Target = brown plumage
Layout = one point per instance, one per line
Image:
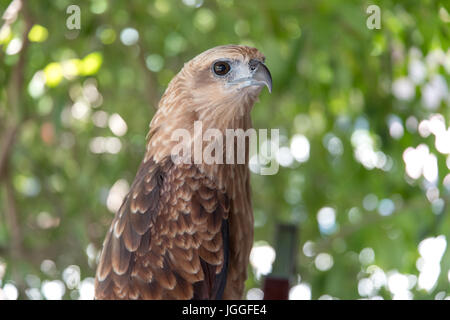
(184, 231)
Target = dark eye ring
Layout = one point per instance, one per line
(221, 68)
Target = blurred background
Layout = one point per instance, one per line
(363, 114)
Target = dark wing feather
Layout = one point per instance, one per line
(169, 239)
(213, 286)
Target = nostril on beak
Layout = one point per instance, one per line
(253, 64)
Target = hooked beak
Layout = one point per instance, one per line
(254, 74)
(262, 76)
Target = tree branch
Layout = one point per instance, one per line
(9, 136)
(15, 117)
(12, 220)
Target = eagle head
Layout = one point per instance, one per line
(217, 87)
(230, 76)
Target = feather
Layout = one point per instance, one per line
(131, 238)
(120, 256)
(105, 266)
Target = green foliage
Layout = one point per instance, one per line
(78, 104)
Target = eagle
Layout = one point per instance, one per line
(185, 229)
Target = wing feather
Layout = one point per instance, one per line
(169, 239)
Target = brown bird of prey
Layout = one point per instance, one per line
(185, 229)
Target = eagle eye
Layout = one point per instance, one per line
(221, 68)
